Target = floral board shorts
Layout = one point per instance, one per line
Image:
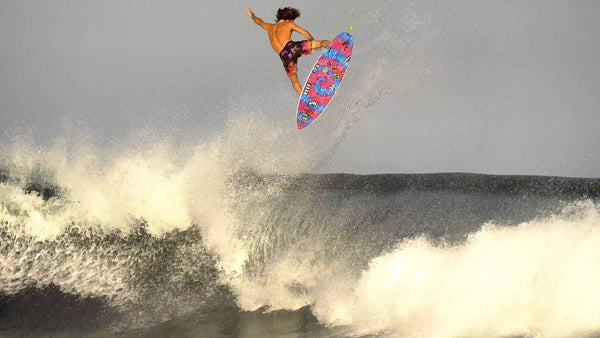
(291, 52)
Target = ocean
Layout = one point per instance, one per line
(150, 189)
(298, 255)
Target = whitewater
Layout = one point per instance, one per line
(144, 242)
(237, 235)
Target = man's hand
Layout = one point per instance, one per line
(250, 12)
(256, 19)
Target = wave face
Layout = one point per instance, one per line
(430, 255)
(85, 248)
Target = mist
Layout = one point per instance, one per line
(498, 87)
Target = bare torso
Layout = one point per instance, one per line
(280, 33)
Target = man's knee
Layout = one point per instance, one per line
(293, 75)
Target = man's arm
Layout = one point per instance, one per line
(303, 32)
(256, 19)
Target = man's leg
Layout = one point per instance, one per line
(294, 78)
(316, 44)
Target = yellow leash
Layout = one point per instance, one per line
(367, 10)
(363, 13)
(345, 17)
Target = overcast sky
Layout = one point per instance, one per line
(499, 87)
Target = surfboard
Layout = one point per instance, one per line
(324, 79)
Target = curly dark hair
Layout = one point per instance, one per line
(287, 13)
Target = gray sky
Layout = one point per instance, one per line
(501, 87)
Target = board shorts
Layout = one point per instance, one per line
(291, 52)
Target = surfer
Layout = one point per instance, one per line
(280, 36)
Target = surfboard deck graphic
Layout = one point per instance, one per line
(324, 79)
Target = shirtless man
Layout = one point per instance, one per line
(280, 36)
